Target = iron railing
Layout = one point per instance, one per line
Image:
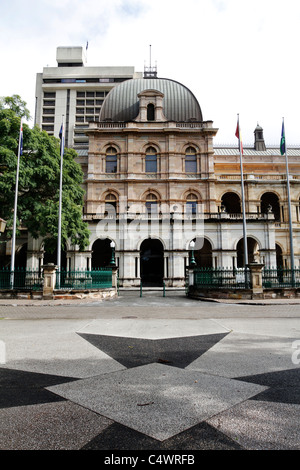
(280, 278)
(82, 279)
(28, 280)
(220, 278)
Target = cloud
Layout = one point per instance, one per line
(236, 57)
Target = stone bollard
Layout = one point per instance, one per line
(115, 278)
(49, 280)
(256, 279)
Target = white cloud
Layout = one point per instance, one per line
(236, 56)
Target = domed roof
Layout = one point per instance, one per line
(122, 102)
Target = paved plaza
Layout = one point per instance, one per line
(149, 373)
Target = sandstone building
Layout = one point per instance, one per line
(155, 184)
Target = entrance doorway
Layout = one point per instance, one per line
(101, 253)
(203, 257)
(152, 263)
(252, 246)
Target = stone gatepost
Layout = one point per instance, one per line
(256, 279)
(49, 280)
(114, 278)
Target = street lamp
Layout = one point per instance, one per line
(112, 261)
(193, 261)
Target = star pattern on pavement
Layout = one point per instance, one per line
(134, 352)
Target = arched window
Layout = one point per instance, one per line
(191, 204)
(151, 160)
(190, 160)
(110, 204)
(150, 112)
(269, 202)
(151, 203)
(231, 203)
(111, 160)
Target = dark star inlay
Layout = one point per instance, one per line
(133, 352)
(21, 388)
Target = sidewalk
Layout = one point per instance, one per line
(88, 300)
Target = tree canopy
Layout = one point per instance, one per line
(38, 194)
(16, 104)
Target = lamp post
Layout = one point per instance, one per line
(193, 261)
(112, 260)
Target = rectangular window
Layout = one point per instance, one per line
(48, 94)
(151, 164)
(151, 207)
(190, 164)
(49, 103)
(48, 111)
(48, 119)
(111, 164)
(191, 207)
(48, 128)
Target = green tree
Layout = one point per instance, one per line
(16, 104)
(38, 195)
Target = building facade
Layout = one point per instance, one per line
(158, 189)
(156, 183)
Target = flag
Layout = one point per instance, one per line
(282, 140)
(238, 135)
(21, 138)
(61, 136)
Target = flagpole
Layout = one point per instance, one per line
(13, 245)
(60, 200)
(243, 198)
(283, 142)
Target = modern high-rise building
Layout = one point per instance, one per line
(74, 92)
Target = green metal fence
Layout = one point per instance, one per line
(220, 278)
(280, 278)
(21, 279)
(81, 279)
(30, 280)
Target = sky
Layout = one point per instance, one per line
(238, 57)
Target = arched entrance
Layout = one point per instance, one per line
(21, 257)
(101, 253)
(279, 257)
(152, 262)
(252, 246)
(203, 257)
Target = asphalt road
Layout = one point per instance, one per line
(153, 374)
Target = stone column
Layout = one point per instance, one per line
(49, 280)
(114, 270)
(256, 279)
